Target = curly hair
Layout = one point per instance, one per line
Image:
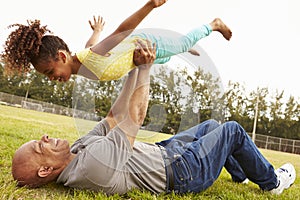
(28, 45)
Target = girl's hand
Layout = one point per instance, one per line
(157, 3)
(98, 23)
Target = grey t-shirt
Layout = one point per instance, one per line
(106, 162)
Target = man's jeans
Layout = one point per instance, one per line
(198, 155)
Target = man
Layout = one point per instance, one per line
(108, 159)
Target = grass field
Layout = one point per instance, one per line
(18, 126)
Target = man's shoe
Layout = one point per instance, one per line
(246, 181)
(286, 176)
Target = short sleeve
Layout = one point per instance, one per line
(101, 129)
(81, 55)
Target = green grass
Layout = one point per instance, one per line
(18, 126)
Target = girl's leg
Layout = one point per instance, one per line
(172, 43)
(175, 43)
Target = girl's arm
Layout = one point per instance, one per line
(126, 27)
(97, 28)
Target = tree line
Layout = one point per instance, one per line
(178, 99)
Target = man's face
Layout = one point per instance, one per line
(38, 159)
(47, 151)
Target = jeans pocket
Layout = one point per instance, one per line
(183, 170)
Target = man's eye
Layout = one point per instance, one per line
(48, 72)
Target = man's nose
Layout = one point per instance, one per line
(45, 138)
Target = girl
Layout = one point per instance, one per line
(109, 59)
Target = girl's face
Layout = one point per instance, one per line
(58, 70)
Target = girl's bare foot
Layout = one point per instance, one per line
(218, 25)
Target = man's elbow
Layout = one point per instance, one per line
(138, 116)
(140, 119)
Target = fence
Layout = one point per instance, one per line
(277, 144)
(17, 101)
(261, 141)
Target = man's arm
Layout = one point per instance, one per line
(97, 28)
(138, 105)
(129, 110)
(126, 27)
(119, 109)
(138, 102)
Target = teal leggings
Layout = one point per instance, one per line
(174, 43)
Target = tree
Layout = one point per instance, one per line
(165, 96)
(105, 94)
(12, 83)
(205, 95)
(291, 117)
(291, 111)
(187, 97)
(276, 115)
(258, 97)
(236, 103)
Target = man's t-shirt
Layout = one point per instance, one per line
(106, 162)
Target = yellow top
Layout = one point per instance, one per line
(112, 67)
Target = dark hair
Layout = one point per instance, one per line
(28, 45)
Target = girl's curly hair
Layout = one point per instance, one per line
(28, 45)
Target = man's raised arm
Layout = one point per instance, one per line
(130, 109)
(119, 109)
(138, 102)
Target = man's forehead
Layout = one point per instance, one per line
(26, 146)
(25, 152)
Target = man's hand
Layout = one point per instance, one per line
(144, 54)
(98, 24)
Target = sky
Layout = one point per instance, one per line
(263, 51)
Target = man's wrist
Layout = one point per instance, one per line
(145, 67)
(143, 76)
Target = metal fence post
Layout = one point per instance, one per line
(279, 145)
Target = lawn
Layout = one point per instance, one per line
(19, 125)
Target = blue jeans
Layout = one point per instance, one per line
(198, 155)
(173, 43)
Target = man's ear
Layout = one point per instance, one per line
(62, 55)
(45, 171)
